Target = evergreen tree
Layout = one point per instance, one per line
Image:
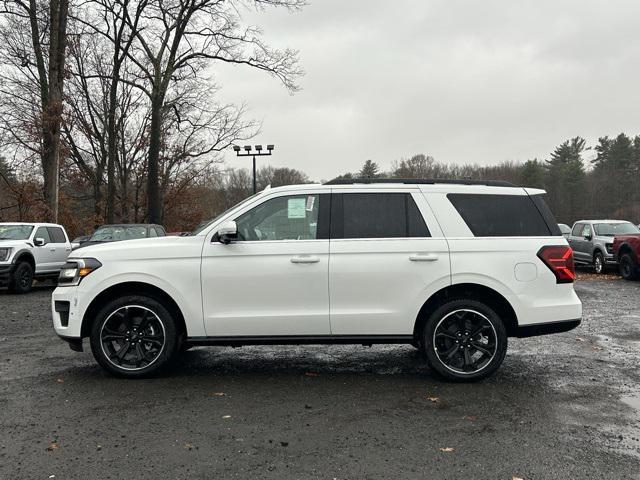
(370, 169)
(532, 174)
(565, 181)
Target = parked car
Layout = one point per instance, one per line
(453, 269)
(565, 229)
(31, 251)
(127, 231)
(592, 241)
(626, 248)
(75, 243)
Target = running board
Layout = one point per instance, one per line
(238, 341)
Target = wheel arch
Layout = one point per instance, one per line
(626, 248)
(471, 291)
(25, 255)
(596, 251)
(132, 288)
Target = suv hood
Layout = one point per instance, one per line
(158, 248)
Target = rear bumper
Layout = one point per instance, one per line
(546, 328)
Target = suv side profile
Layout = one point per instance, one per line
(451, 268)
(592, 241)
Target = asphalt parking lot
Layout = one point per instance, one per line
(562, 406)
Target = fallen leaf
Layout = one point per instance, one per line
(447, 449)
(60, 380)
(226, 416)
(311, 374)
(53, 446)
(517, 478)
(580, 339)
(473, 418)
(218, 394)
(595, 347)
(433, 399)
(188, 446)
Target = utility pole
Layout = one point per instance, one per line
(258, 153)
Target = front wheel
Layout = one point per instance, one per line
(133, 336)
(22, 278)
(598, 263)
(628, 268)
(464, 340)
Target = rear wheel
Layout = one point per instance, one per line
(628, 267)
(133, 336)
(464, 340)
(22, 278)
(598, 263)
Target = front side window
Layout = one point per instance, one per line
(376, 215)
(43, 233)
(586, 232)
(293, 217)
(577, 230)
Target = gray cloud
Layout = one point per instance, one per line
(464, 81)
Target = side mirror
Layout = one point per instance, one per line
(39, 242)
(227, 232)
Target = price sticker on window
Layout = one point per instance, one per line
(311, 200)
(296, 208)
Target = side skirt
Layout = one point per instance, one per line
(238, 341)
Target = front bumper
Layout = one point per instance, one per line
(5, 274)
(66, 313)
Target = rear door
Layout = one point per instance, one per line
(59, 246)
(387, 256)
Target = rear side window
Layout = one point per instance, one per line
(501, 215)
(57, 235)
(376, 215)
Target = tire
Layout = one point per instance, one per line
(146, 351)
(598, 263)
(22, 278)
(445, 340)
(628, 268)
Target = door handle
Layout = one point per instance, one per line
(426, 257)
(52, 249)
(305, 259)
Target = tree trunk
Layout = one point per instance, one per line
(154, 200)
(112, 138)
(52, 111)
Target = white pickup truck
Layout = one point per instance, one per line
(31, 251)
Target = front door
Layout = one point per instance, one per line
(272, 281)
(388, 256)
(45, 255)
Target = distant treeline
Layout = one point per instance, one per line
(608, 186)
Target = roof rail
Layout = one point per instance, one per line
(418, 181)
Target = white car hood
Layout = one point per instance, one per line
(14, 244)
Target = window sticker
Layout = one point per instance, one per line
(296, 208)
(311, 199)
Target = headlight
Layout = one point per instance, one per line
(4, 254)
(75, 270)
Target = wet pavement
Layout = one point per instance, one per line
(562, 406)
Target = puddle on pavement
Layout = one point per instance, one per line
(632, 400)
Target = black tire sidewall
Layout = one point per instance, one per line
(20, 269)
(169, 330)
(442, 311)
(627, 260)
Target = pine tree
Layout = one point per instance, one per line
(370, 169)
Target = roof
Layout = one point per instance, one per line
(417, 181)
(32, 224)
(602, 221)
(130, 225)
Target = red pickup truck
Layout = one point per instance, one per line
(626, 249)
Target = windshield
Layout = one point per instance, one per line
(206, 223)
(15, 232)
(613, 229)
(117, 233)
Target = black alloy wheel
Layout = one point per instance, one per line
(465, 340)
(22, 278)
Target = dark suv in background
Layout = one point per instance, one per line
(127, 231)
(592, 241)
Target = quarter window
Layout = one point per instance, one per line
(293, 217)
(376, 215)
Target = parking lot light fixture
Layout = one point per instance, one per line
(257, 153)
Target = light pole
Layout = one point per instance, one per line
(258, 153)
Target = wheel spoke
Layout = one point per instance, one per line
(446, 335)
(449, 353)
(110, 337)
(481, 348)
(123, 351)
(154, 339)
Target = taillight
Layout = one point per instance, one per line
(559, 259)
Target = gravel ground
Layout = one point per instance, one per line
(562, 406)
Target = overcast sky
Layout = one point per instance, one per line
(464, 81)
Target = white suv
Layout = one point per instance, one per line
(31, 250)
(451, 268)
